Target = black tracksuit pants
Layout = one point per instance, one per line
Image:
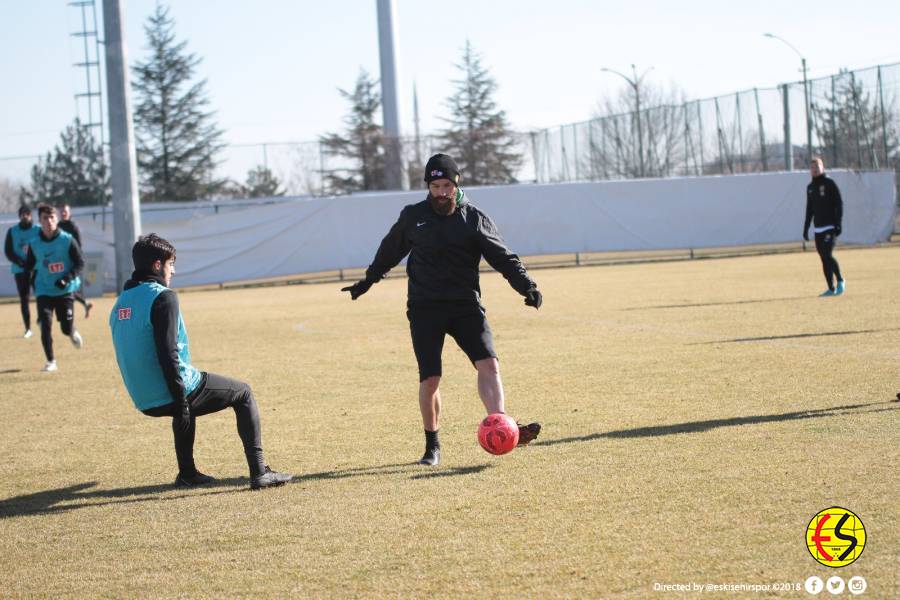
(23, 286)
(62, 307)
(825, 247)
(216, 393)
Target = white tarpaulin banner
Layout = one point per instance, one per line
(297, 236)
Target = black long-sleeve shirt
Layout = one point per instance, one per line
(164, 320)
(72, 229)
(444, 253)
(74, 253)
(824, 206)
(9, 251)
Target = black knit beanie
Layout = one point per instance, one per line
(441, 166)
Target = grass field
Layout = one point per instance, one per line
(696, 416)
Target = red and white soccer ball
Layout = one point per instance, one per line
(498, 433)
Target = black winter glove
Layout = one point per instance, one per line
(806, 235)
(62, 282)
(182, 418)
(358, 289)
(837, 230)
(534, 298)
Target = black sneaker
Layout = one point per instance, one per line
(432, 457)
(193, 479)
(269, 479)
(528, 433)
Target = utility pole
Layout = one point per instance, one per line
(416, 125)
(805, 92)
(123, 163)
(635, 84)
(788, 144)
(395, 176)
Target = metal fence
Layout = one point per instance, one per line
(854, 122)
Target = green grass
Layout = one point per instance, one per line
(696, 416)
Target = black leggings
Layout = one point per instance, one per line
(23, 286)
(825, 248)
(216, 393)
(62, 306)
(79, 296)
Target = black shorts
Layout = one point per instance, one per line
(466, 323)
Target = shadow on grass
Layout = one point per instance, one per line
(57, 500)
(702, 304)
(83, 495)
(793, 336)
(700, 426)
(452, 472)
(394, 469)
(8, 371)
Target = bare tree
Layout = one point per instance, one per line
(857, 130)
(626, 143)
(11, 195)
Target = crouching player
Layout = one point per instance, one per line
(151, 347)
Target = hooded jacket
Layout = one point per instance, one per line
(444, 253)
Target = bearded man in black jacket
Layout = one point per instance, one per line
(446, 237)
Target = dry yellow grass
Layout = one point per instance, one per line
(696, 416)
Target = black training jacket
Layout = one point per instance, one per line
(8, 250)
(823, 203)
(71, 228)
(444, 253)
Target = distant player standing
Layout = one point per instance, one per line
(151, 345)
(18, 238)
(68, 225)
(825, 209)
(56, 259)
(446, 237)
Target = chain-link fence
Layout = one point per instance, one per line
(852, 121)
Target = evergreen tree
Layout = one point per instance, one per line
(74, 172)
(177, 138)
(854, 131)
(478, 136)
(262, 183)
(362, 143)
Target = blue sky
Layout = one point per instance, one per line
(273, 66)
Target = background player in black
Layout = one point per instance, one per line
(446, 237)
(54, 298)
(825, 209)
(68, 225)
(23, 279)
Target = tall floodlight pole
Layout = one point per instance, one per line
(123, 163)
(805, 91)
(635, 83)
(395, 177)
